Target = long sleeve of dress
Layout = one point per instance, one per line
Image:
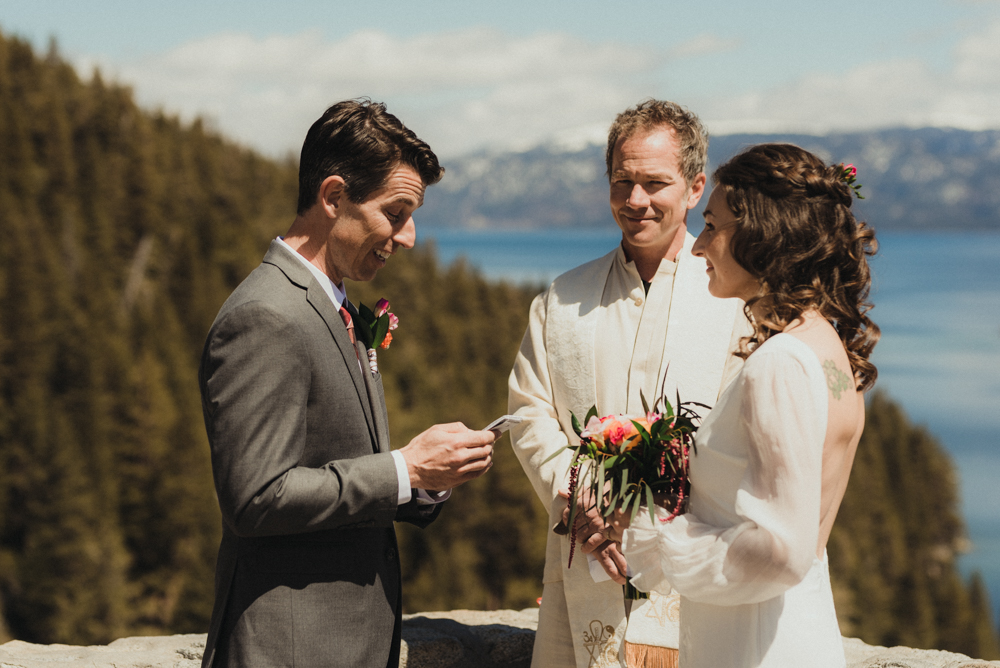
(770, 541)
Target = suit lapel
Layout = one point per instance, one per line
(281, 257)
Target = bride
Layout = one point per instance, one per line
(775, 454)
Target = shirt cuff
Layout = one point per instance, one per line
(403, 478)
(424, 498)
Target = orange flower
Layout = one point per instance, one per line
(386, 341)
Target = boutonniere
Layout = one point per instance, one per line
(374, 329)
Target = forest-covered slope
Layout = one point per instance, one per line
(121, 233)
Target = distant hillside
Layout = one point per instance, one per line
(927, 179)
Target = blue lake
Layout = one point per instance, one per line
(937, 301)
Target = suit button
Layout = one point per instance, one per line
(390, 554)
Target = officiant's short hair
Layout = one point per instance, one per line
(360, 141)
(692, 138)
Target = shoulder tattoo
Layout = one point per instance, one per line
(836, 380)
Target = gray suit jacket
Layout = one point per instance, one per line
(308, 572)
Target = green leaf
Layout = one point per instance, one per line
(645, 406)
(651, 504)
(367, 314)
(591, 413)
(636, 502)
(611, 461)
(600, 486)
(381, 329)
(363, 332)
(557, 453)
(642, 431)
(576, 423)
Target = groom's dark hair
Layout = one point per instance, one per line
(362, 143)
(692, 138)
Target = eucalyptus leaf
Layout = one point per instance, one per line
(645, 405)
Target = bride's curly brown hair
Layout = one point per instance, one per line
(795, 233)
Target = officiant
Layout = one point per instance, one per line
(639, 319)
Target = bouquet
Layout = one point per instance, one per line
(630, 461)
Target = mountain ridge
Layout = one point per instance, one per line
(924, 179)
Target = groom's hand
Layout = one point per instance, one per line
(446, 455)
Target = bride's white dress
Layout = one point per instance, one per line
(743, 558)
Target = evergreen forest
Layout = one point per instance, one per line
(123, 230)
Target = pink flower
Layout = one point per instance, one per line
(381, 306)
(851, 170)
(393, 321)
(614, 432)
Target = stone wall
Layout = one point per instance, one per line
(456, 639)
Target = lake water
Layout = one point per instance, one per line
(937, 301)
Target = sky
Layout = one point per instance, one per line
(508, 76)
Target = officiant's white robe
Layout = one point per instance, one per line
(596, 337)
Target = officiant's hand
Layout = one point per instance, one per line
(592, 528)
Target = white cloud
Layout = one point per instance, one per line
(892, 93)
(479, 88)
(460, 91)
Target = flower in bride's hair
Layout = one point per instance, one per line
(849, 175)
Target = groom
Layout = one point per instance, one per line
(639, 319)
(308, 572)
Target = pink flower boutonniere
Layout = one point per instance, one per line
(374, 329)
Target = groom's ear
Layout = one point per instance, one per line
(697, 190)
(331, 192)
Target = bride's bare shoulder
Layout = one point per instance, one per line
(817, 333)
